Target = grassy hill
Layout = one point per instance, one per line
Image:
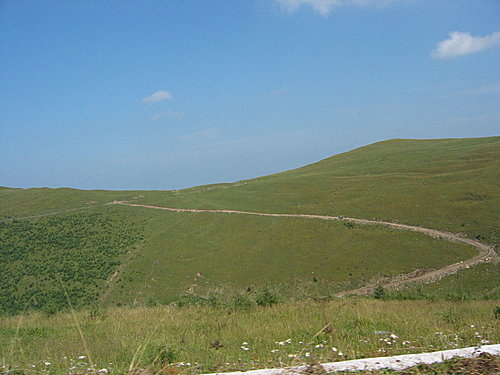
(150, 255)
(447, 184)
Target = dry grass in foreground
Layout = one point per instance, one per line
(203, 339)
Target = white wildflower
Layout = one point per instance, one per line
(280, 343)
(307, 354)
(103, 371)
(245, 343)
(340, 353)
(274, 351)
(319, 346)
(292, 355)
(394, 336)
(46, 363)
(484, 341)
(82, 357)
(288, 341)
(245, 348)
(334, 349)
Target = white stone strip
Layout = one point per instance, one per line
(399, 362)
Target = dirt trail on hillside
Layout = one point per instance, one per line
(486, 253)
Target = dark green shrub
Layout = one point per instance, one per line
(379, 292)
(97, 313)
(451, 317)
(267, 297)
(151, 302)
(158, 355)
(191, 300)
(241, 301)
(50, 308)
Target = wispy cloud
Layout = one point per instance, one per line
(461, 43)
(167, 114)
(324, 7)
(158, 96)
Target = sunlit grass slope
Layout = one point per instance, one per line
(195, 252)
(203, 339)
(444, 183)
(447, 184)
(20, 203)
(479, 282)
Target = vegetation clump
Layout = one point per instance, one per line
(50, 262)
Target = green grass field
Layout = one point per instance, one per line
(161, 289)
(479, 282)
(199, 252)
(157, 256)
(447, 184)
(203, 339)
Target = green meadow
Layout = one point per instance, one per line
(87, 283)
(204, 339)
(134, 255)
(197, 253)
(449, 184)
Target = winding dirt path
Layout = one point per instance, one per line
(486, 253)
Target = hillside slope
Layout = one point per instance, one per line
(449, 184)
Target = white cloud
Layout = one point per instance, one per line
(324, 7)
(157, 97)
(463, 44)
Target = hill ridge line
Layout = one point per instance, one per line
(486, 252)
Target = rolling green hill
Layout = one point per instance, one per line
(139, 255)
(449, 184)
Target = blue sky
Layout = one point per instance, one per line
(175, 93)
